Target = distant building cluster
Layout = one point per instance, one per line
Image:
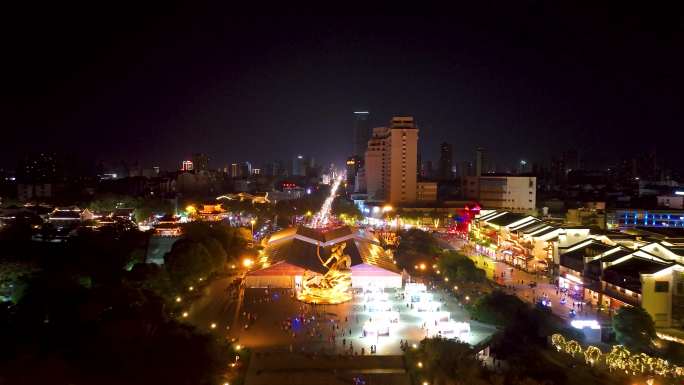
(388, 168)
(53, 178)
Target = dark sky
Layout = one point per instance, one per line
(523, 80)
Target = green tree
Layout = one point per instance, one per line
(634, 328)
(459, 268)
(232, 241)
(103, 255)
(153, 277)
(14, 278)
(498, 308)
(417, 241)
(344, 206)
(60, 327)
(144, 207)
(443, 361)
(187, 262)
(19, 231)
(416, 247)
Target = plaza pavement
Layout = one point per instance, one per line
(331, 329)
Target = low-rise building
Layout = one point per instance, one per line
(632, 218)
(212, 213)
(506, 192)
(611, 276)
(168, 226)
(62, 217)
(426, 191)
(671, 201)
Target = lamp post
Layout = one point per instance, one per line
(252, 222)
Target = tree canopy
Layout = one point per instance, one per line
(459, 268)
(62, 332)
(498, 308)
(415, 247)
(187, 262)
(445, 361)
(144, 207)
(634, 328)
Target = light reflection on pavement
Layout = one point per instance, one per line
(316, 334)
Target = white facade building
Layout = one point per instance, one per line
(671, 201)
(391, 162)
(513, 193)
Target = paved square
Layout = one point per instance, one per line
(283, 323)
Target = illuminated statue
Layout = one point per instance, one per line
(333, 286)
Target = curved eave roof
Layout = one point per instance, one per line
(303, 254)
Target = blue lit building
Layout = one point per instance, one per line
(631, 218)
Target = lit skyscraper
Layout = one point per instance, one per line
(391, 162)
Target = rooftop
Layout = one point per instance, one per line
(575, 259)
(530, 227)
(323, 235)
(627, 274)
(308, 253)
(506, 219)
(65, 214)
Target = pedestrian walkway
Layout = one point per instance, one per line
(530, 287)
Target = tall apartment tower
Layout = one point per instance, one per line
(446, 160)
(362, 132)
(391, 162)
(200, 162)
(480, 161)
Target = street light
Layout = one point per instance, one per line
(252, 222)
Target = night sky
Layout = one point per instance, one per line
(523, 80)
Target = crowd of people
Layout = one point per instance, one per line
(319, 328)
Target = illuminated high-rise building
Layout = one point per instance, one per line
(354, 163)
(391, 162)
(187, 165)
(245, 169)
(302, 165)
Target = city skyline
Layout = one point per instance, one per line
(512, 80)
(489, 194)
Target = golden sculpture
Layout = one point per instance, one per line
(333, 286)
